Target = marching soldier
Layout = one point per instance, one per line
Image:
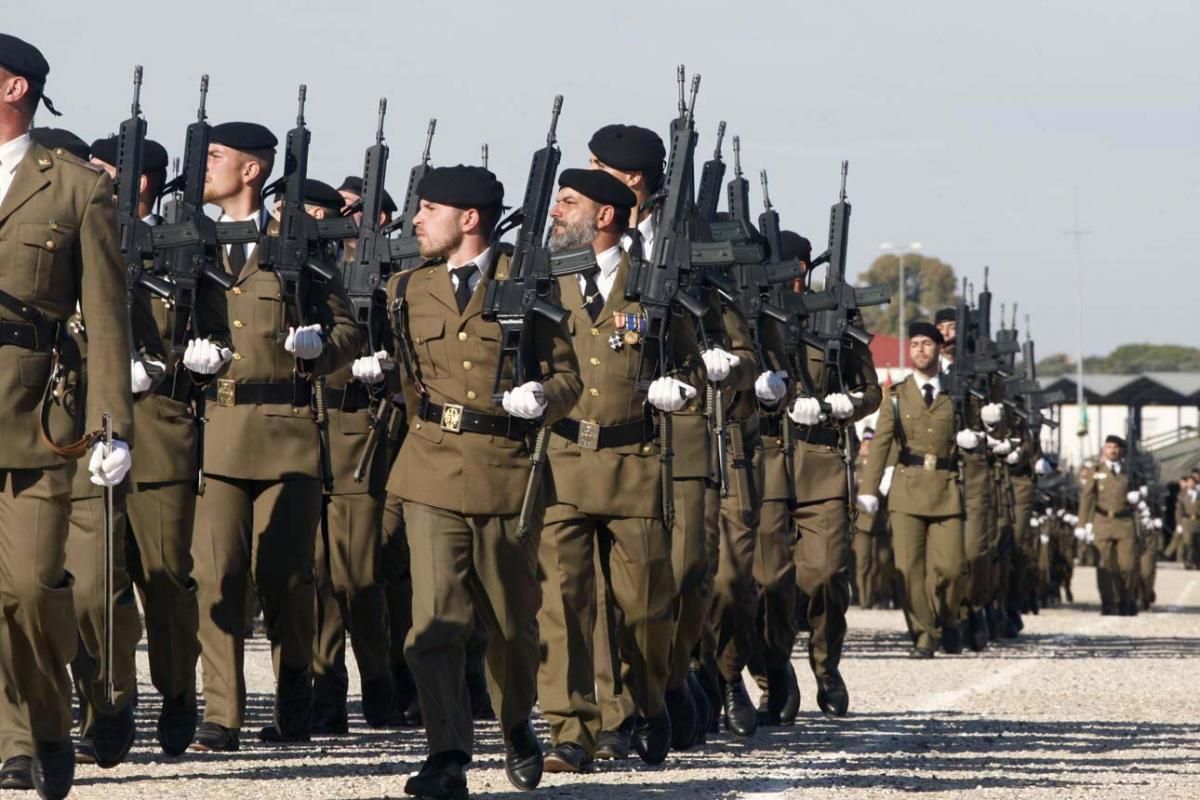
(59, 251)
(1107, 500)
(1187, 521)
(462, 473)
(916, 428)
(257, 519)
(607, 475)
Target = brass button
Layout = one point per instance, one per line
(467, 365)
(237, 323)
(595, 332)
(418, 339)
(594, 392)
(646, 448)
(462, 336)
(417, 426)
(237, 356)
(471, 395)
(53, 226)
(595, 362)
(237, 290)
(49, 244)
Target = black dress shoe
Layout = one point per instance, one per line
(17, 773)
(567, 757)
(952, 639)
(776, 695)
(614, 745)
(443, 776)
(328, 716)
(213, 738)
(378, 700)
(329, 722)
(994, 623)
(652, 738)
(921, 652)
(832, 697)
(523, 761)
(406, 712)
(683, 717)
(293, 705)
(740, 716)
(1108, 611)
(481, 701)
(710, 685)
(273, 735)
(177, 724)
(791, 705)
(112, 735)
(706, 715)
(85, 750)
(53, 768)
(977, 631)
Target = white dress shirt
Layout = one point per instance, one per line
(646, 229)
(257, 218)
(1113, 466)
(608, 262)
(935, 382)
(11, 154)
(481, 262)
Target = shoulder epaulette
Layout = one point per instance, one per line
(69, 158)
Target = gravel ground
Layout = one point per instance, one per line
(1081, 706)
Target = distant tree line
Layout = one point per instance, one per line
(1128, 359)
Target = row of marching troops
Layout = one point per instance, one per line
(605, 469)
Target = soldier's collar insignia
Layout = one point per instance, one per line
(43, 162)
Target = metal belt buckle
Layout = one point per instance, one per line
(589, 435)
(930, 462)
(452, 415)
(226, 392)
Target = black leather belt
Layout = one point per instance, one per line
(456, 419)
(827, 437)
(354, 397)
(34, 335)
(592, 436)
(1124, 513)
(226, 392)
(770, 425)
(926, 461)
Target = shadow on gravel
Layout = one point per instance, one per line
(868, 644)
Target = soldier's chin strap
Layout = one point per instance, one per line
(74, 450)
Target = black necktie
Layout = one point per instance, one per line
(928, 395)
(593, 300)
(237, 258)
(463, 293)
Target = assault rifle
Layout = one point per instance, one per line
(404, 250)
(516, 301)
(364, 275)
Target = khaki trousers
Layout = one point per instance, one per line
(397, 580)
(462, 565)
(159, 552)
(1117, 574)
(263, 531)
(775, 575)
(823, 577)
(979, 533)
(929, 555)
(635, 559)
(729, 640)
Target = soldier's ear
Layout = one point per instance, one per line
(470, 220)
(143, 183)
(605, 216)
(251, 169)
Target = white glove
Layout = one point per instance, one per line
(527, 401)
(1158, 523)
(669, 394)
(203, 357)
(840, 406)
(1145, 509)
(1071, 519)
(1013, 457)
(991, 414)
(867, 503)
(1144, 491)
(1035, 522)
(1042, 467)
(139, 379)
(805, 411)
(1060, 513)
(1133, 497)
(885, 483)
(1179, 529)
(109, 465)
(305, 342)
(1044, 539)
(1091, 536)
(369, 369)
(1001, 447)
(1090, 530)
(770, 386)
(968, 439)
(719, 363)
(1081, 534)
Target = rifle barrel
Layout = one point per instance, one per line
(137, 91)
(428, 139)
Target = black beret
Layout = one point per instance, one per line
(321, 194)
(947, 314)
(628, 147)
(1112, 439)
(21, 58)
(154, 155)
(461, 186)
(598, 185)
(795, 246)
(354, 183)
(244, 136)
(61, 138)
(923, 328)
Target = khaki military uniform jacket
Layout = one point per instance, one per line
(776, 474)
(1103, 502)
(928, 432)
(271, 442)
(1187, 513)
(58, 248)
(454, 357)
(623, 481)
(820, 472)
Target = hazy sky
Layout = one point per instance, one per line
(967, 129)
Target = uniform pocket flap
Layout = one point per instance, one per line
(422, 329)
